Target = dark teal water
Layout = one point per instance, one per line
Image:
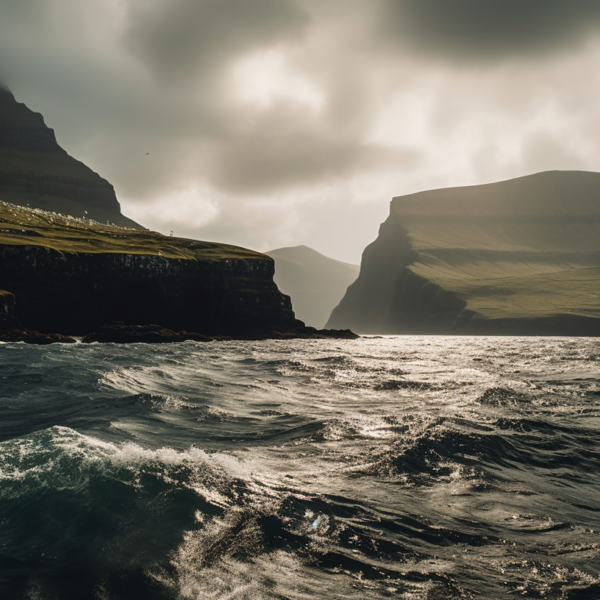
(378, 468)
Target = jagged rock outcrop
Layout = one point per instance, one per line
(35, 171)
(315, 282)
(519, 257)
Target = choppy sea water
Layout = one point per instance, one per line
(403, 467)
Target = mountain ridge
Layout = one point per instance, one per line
(512, 257)
(36, 172)
(315, 282)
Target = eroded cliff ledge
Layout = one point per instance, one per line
(35, 171)
(519, 257)
(71, 277)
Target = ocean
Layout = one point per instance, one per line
(400, 467)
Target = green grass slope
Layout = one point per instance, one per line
(524, 248)
(21, 226)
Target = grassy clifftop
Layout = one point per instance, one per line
(523, 248)
(34, 227)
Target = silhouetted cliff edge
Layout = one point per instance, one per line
(519, 257)
(35, 171)
(70, 276)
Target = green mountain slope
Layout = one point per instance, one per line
(519, 256)
(35, 171)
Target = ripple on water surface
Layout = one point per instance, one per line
(376, 468)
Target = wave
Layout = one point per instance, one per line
(75, 508)
(409, 468)
(79, 515)
(427, 451)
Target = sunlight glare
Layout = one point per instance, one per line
(266, 78)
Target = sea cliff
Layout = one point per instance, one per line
(519, 257)
(71, 276)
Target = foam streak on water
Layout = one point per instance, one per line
(378, 468)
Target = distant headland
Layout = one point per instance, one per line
(72, 265)
(315, 283)
(519, 257)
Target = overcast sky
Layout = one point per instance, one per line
(269, 123)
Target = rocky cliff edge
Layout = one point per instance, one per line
(72, 276)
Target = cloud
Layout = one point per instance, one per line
(182, 40)
(483, 30)
(283, 122)
(288, 149)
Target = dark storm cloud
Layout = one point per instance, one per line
(278, 122)
(185, 38)
(253, 149)
(489, 29)
(264, 163)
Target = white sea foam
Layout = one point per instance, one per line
(61, 458)
(376, 469)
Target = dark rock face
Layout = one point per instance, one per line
(7, 305)
(78, 293)
(36, 171)
(520, 257)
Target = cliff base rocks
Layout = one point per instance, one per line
(155, 334)
(34, 337)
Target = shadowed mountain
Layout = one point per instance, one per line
(35, 171)
(315, 282)
(516, 257)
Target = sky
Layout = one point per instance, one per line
(272, 123)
